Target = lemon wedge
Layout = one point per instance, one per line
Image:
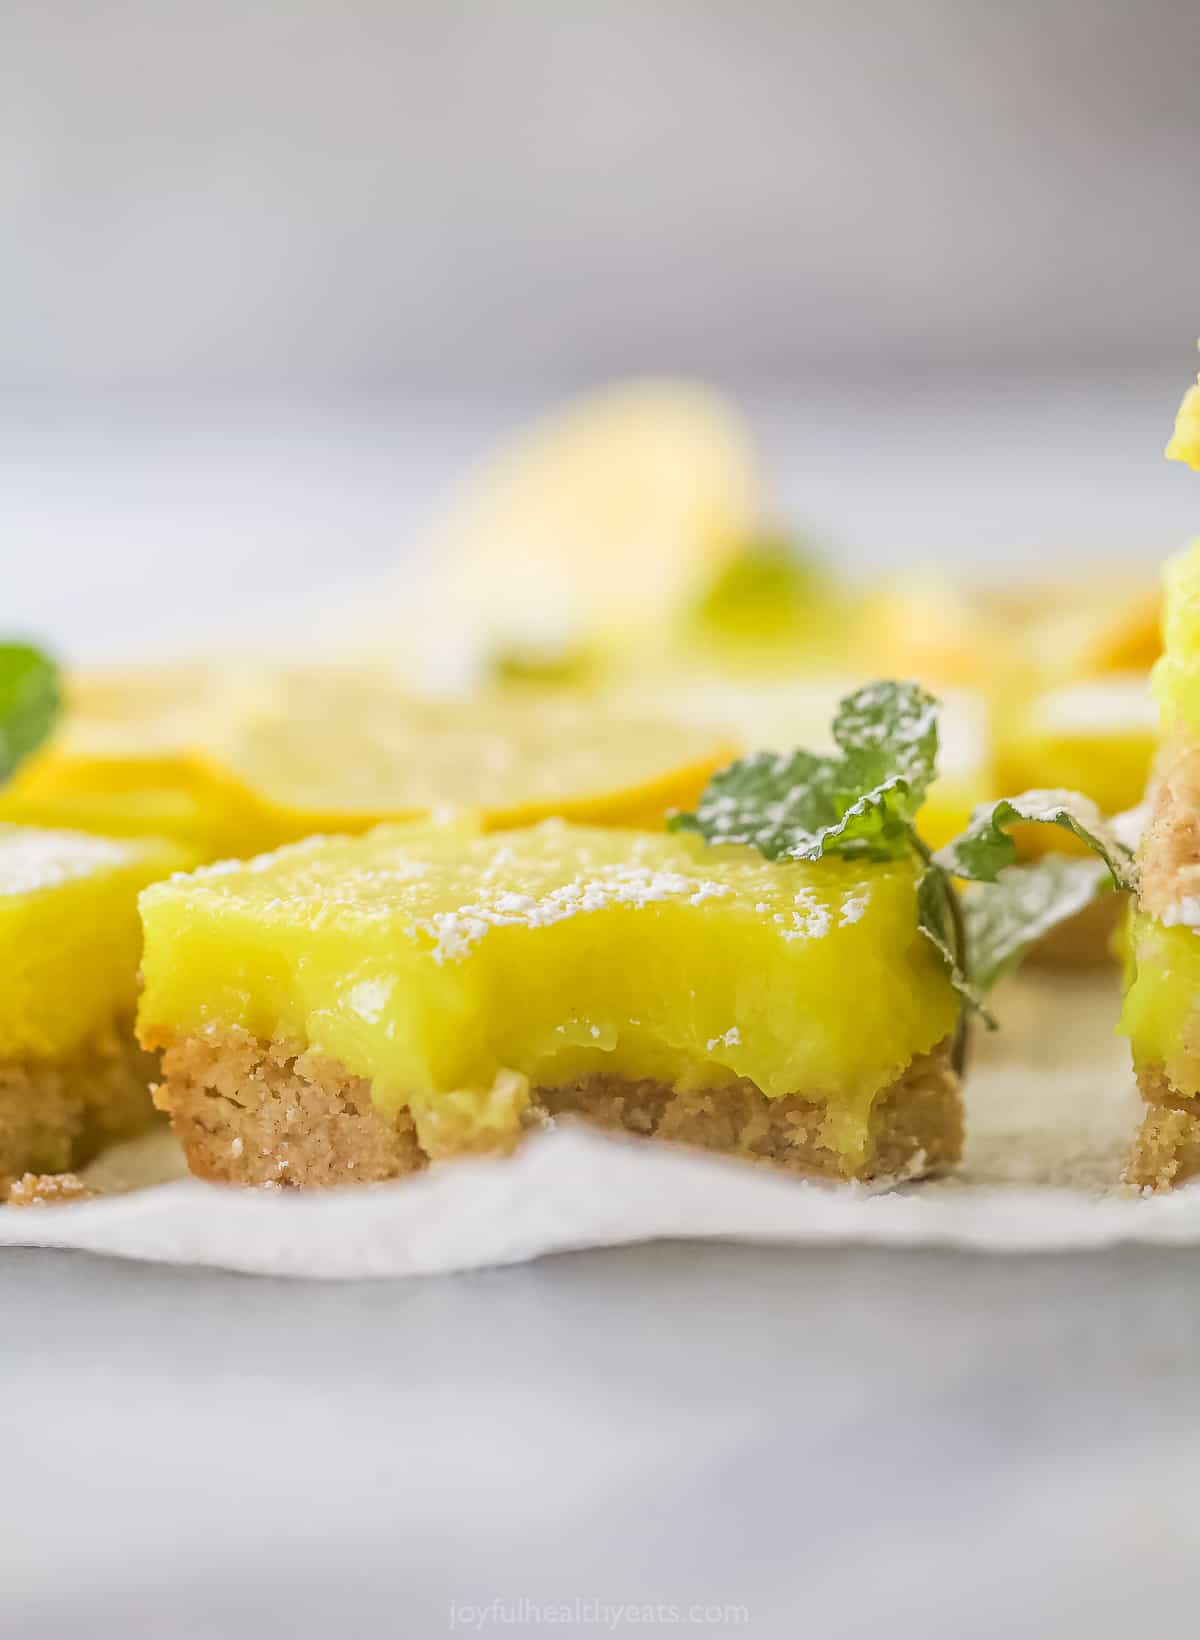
(605, 513)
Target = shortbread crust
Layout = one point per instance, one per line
(1166, 1151)
(248, 1111)
(55, 1114)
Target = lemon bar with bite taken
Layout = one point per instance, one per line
(348, 1009)
(72, 1076)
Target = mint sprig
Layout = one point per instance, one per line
(30, 701)
(1006, 918)
(859, 804)
(986, 849)
(862, 804)
(942, 920)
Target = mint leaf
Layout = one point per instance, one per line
(1005, 918)
(889, 731)
(940, 919)
(29, 703)
(780, 804)
(860, 805)
(985, 849)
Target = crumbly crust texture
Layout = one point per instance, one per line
(1169, 856)
(251, 1112)
(48, 1190)
(1166, 1151)
(54, 1116)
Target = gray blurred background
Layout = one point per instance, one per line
(273, 273)
(332, 196)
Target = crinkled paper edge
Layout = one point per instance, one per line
(573, 1189)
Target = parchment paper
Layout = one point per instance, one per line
(1051, 1108)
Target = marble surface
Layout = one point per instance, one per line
(842, 1442)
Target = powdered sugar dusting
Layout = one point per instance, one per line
(369, 998)
(456, 932)
(33, 860)
(448, 892)
(1185, 913)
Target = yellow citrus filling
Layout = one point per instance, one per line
(70, 938)
(1160, 1015)
(1185, 440)
(441, 965)
(1177, 674)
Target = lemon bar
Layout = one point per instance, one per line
(72, 1076)
(1161, 1013)
(347, 1009)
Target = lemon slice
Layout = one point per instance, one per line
(348, 752)
(270, 756)
(123, 762)
(1095, 735)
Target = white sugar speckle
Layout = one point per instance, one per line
(709, 891)
(852, 911)
(730, 1039)
(515, 903)
(457, 932)
(1185, 913)
(32, 860)
(369, 998)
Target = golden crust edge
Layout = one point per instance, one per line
(1166, 1147)
(267, 1113)
(57, 1114)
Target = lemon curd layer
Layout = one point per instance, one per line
(1161, 1013)
(454, 971)
(70, 938)
(1177, 674)
(1185, 440)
